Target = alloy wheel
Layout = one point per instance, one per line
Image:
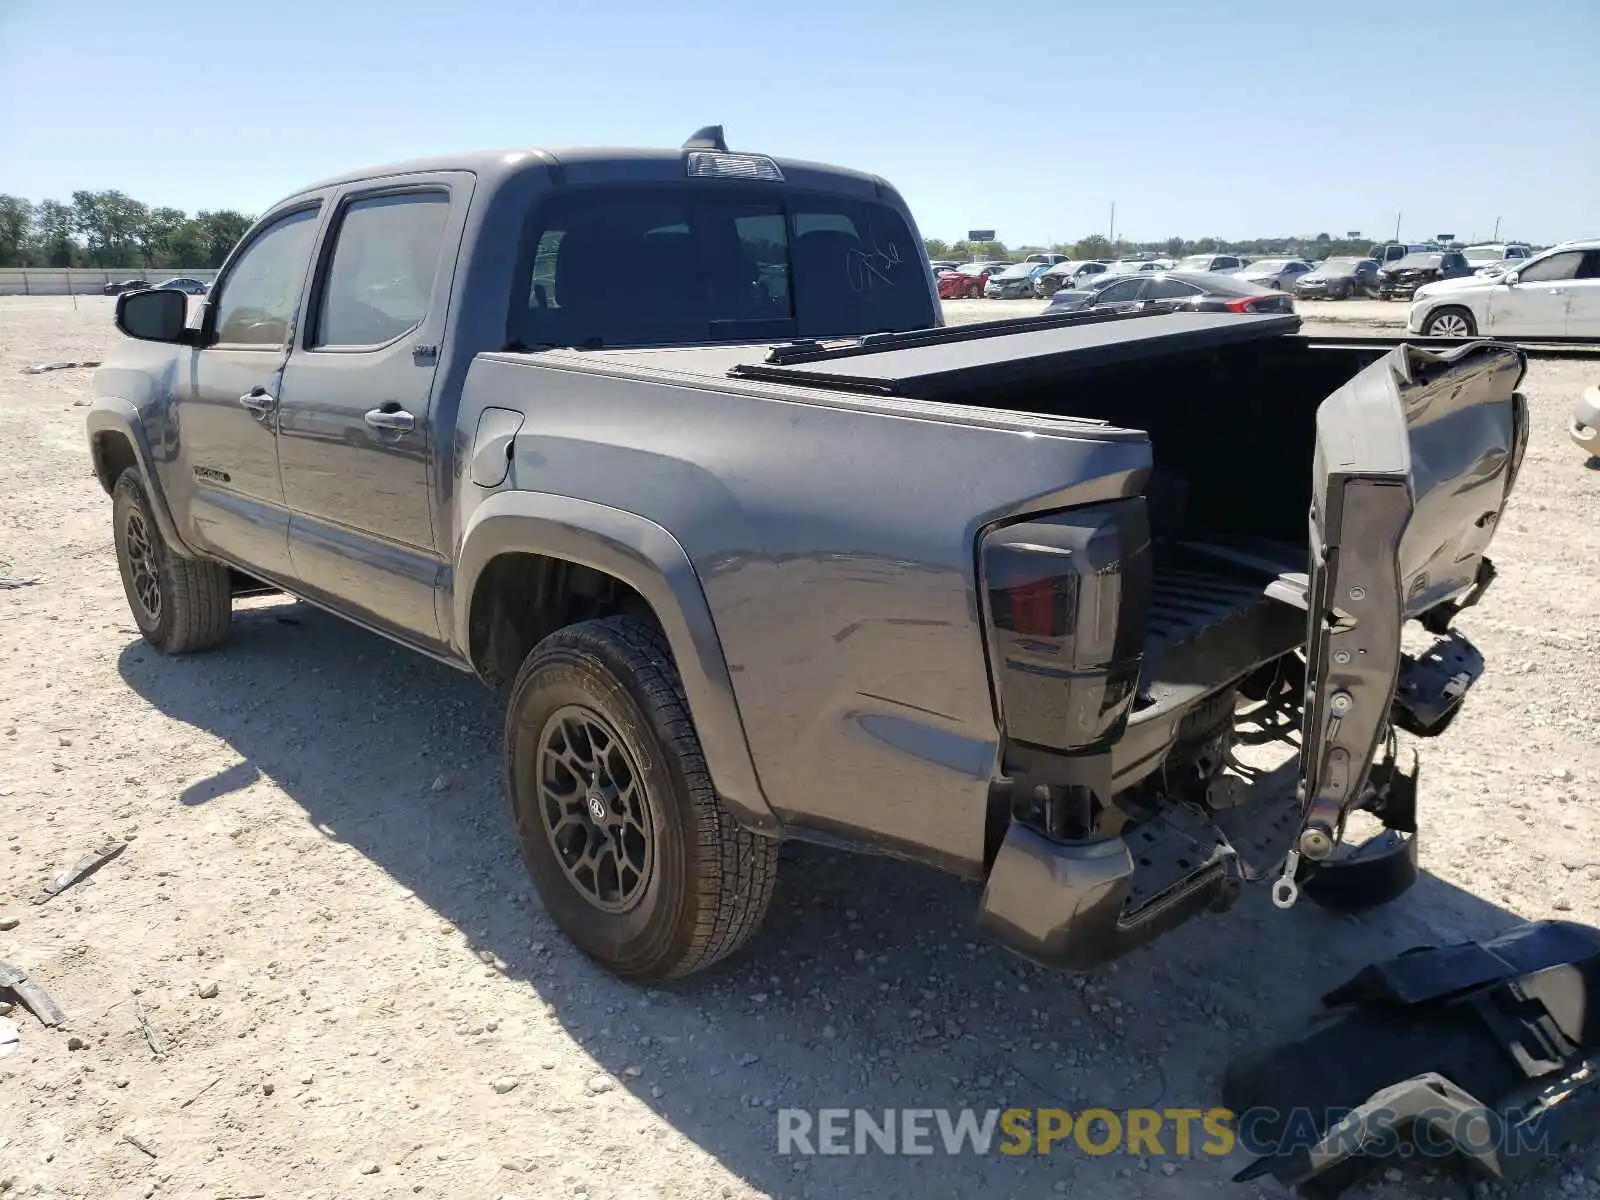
(596, 812)
(1450, 325)
(142, 565)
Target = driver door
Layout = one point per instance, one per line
(228, 492)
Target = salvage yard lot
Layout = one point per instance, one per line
(317, 830)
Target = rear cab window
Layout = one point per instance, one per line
(674, 264)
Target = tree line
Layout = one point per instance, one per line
(1098, 246)
(111, 229)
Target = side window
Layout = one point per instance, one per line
(1590, 269)
(1170, 289)
(256, 302)
(380, 278)
(1121, 291)
(1553, 269)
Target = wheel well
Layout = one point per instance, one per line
(1455, 308)
(113, 454)
(520, 599)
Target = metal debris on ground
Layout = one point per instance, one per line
(41, 368)
(10, 583)
(139, 1145)
(145, 1028)
(201, 1092)
(84, 867)
(32, 997)
(10, 1036)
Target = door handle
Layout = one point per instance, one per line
(259, 400)
(391, 420)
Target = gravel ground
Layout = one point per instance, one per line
(322, 920)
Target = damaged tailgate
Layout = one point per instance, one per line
(1415, 460)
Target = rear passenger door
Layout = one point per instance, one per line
(1583, 300)
(358, 428)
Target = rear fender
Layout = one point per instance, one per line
(648, 559)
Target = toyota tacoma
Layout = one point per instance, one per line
(754, 547)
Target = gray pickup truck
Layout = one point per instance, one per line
(673, 449)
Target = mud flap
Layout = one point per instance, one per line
(1415, 460)
(1485, 1052)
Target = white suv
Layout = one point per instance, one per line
(1554, 294)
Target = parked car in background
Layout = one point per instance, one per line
(1553, 294)
(1279, 273)
(942, 264)
(1585, 428)
(126, 285)
(1388, 252)
(1072, 273)
(1134, 266)
(1015, 282)
(182, 283)
(1173, 291)
(1400, 280)
(1495, 257)
(966, 281)
(1209, 262)
(1088, 291)
(1048, 260)
(1338, 279)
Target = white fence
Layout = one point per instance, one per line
(83, 281)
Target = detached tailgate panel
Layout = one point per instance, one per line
(1415, 460)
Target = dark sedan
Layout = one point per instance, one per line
(1172, 291)
(1338, 279)
(126, 285)
(183, 283)
(1401, 278)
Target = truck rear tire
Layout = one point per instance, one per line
(181, 605)
(635, 857)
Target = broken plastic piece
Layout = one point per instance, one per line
(30, 995)
(84, 867)
(1488, 1051)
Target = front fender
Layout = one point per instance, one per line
(649, 559)
(112, 415)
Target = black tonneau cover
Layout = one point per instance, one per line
(928, 364)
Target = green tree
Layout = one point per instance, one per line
(110, 223)
(1093, 246)
(937, 247)
(53, 245)
(223, 229)
(16, 216)
(155, 237)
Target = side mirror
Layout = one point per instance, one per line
(1509, 276)
(154, 316)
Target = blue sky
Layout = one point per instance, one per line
(1234, 118)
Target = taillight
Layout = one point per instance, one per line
(1067, 598)
(1250, 304)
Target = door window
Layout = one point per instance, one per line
(380, 279)
(1120, 292)
(259, 297)
(1170, 289)
(1553, 269)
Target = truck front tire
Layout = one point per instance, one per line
(636, 859)
(181, 605)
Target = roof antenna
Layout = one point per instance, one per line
(708, 137)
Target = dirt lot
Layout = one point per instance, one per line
(323, 921)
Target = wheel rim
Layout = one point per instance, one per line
(1450, 325)
(142, 565)
(594, 809)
